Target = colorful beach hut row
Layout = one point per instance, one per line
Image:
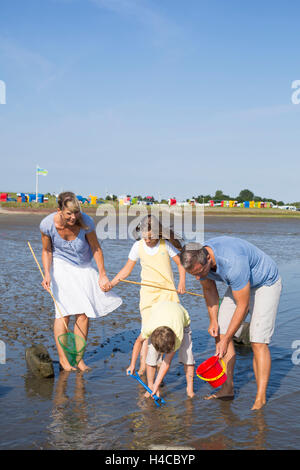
(246, 204)
(22, 197)
(88, 200)
(31, 197)
(128, 200)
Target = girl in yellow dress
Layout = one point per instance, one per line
(154, 252)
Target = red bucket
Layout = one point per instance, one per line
(212, 371)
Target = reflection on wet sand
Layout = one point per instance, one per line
(69, 414)
(253, 431)
(38, 387)
(157, 426)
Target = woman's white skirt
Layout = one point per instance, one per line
(76, 290)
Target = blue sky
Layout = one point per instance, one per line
(169, 97)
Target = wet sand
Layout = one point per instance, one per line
(105, 409)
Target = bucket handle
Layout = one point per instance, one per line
(215, 378)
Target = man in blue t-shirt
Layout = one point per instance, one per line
(254, 286)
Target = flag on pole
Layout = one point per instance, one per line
(41, 171)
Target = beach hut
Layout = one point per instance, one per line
(172, 202)
(123, 200)
(93, 199)
(247, 204)
(252, 203)
(80, 199)
(3, 197)
(211, 203)
(21, 197)
(32, 197)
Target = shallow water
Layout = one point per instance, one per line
(105, 409)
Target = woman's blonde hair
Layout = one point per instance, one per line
(68, 200)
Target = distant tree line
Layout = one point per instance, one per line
(244, 195)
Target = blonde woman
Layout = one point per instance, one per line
(69, 245)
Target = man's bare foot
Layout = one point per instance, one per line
(66, 366)
(82, 366)
(258, 404)
(225, 393)
(190, 393)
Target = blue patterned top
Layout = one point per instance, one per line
(76, 251)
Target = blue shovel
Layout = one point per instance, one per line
(158, 400)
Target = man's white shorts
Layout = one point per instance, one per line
(262, 308)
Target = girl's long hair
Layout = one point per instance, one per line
(151, 224)
(68, 200)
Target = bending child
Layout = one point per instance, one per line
(154, 251)
(168, 328)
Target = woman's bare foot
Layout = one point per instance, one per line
(64, 365)
(82, 366)
(258, 404)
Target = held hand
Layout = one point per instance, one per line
(104, 283)
(181, 288)
(46, 282)
(213, 329)
(114, 282)
(221, 348)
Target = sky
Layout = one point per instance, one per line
(150, 97)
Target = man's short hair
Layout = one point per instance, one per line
(193, 253)
(163, 339)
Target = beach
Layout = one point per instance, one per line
(40, 209)
(105, 409)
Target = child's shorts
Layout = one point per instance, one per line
(185, 353)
